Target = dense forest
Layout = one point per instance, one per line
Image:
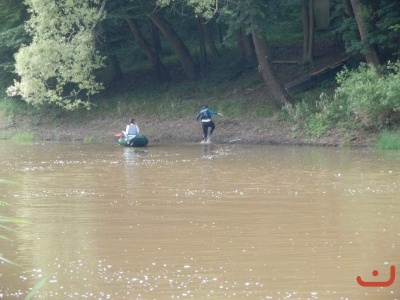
(67, 52)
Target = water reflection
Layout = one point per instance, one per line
(199, 221)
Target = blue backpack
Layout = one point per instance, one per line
(205, 114)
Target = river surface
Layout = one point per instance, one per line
(100, 221)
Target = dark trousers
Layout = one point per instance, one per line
(205, 126)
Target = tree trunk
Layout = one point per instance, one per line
(202, 43)
(371, 56)
(348, 10)
(239, 42)
(155, 61)
(310, 52)
(306, 30)
(398, 48)
(278, 92)
(115, 68)
(179, 47)
(219, 34)
(248, 46)
(209, 39)
(307, 11)
(245, 45)
(155, 37)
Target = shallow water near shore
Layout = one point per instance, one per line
(199, 221)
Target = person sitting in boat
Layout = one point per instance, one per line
(131, 129)
(205, 116)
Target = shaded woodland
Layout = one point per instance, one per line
(168, 39)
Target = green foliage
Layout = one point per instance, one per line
(88, 139)
(362, 99)
(386, 14)
(37, 287)
(373, 100)
(319, 112)
(345, 26)
(270, 17)
(381, 18)
(58, 66)
(12, 35)
(11, 40)
(12, 13)
(284, 32)
(23, 137)
(15, 107)
(205, 8)
(388, 140)
(318, 125)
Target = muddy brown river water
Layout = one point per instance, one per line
(100, 221)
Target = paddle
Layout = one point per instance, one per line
(119, 134)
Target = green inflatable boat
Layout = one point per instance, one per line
(139, 140)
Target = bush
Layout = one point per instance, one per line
(389, 140)
(373, 99)
(363, 98)
(319, 115)
(23, 137)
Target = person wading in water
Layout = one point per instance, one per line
(205, 116)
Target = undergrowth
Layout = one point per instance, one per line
(23, 137)
(230, 86)
(389, 140)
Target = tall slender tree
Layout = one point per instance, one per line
(13, 14)
(275, 87)
(250, 15)
(307, 11)
(177, 44)
(371, 56)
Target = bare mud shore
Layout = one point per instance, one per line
(262, 131)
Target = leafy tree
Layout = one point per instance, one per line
(361, 15)
(134, 15)
(12, 16)
(58, 65)
(307, 11)
(12, 35)
(139, 13)
(368, 27)
(177, 44)
(250, 15)
(386, 16)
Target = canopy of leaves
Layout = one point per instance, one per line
(382, 18)
(12, 34)
(58, 66)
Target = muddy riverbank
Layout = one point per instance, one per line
(185, 130)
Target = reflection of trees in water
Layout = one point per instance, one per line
(132, 160)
